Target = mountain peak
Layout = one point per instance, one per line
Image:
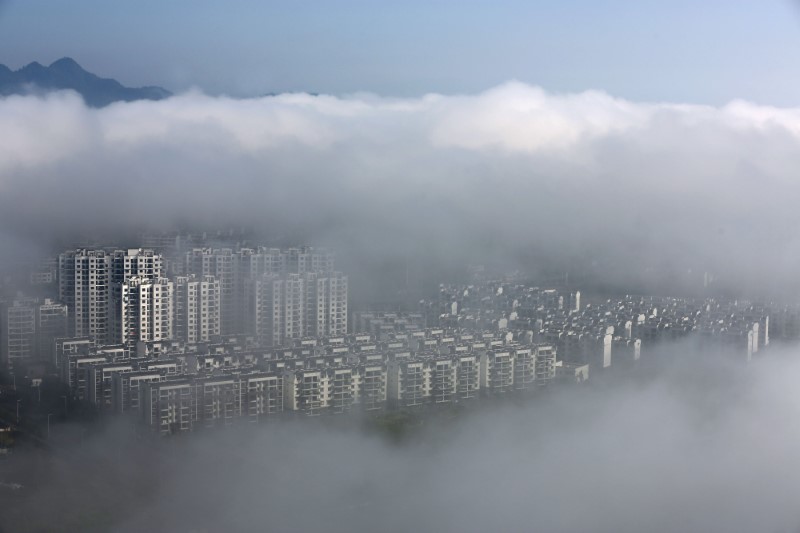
(65, 63)
(66, 73)
(32, 66)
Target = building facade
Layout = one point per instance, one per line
(145, 311)
(293, 306)
(238, 271)
(28, 329)
(196, 308)
(89, 284)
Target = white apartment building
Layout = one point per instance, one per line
(238, 271)
(370, 382)
(294, 306)
(84, 285)
(264, 396)
(524, 368)
(279, 308)
(468, 379)
(89, 283)
(444, 380)
(196, 308)
(222, 264)
(99, 383)
(168, 406)
(545, 364)
(497, 370)
(305, 391)
(145, 310)
(126, 386)
(220, 400)
(326, 304)
(408, 381)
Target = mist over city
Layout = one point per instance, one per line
(422, 268)
(510, 172)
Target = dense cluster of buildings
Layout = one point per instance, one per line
(139, 295)
(205, 337)
(174, 387)
(606, 330)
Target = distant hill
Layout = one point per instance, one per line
(66, 73)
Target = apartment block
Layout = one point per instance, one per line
(264, 396)
(145, 310)
(52, 322)
(196, 308)
(126, 389)
(90, 284)
(17, 332)
(168, 407)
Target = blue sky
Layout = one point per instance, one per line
(708, 51)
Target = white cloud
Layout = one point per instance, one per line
(699, 186)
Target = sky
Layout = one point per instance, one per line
(706, 52)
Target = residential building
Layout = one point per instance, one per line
(18, 332)
(90, 284)
(196, 308)
(145, 310)
(52, 322)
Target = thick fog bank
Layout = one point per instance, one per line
(515, 173)
(706, 445)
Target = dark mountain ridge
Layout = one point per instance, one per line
(66, 73)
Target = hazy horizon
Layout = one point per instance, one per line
(648, 52)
